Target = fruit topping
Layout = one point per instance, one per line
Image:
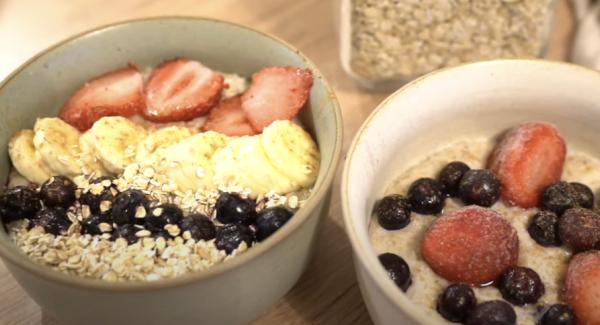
(229, 118)
(99, 197)
(425, 196)
(521, 285)
(96, 224)
(543, 228)
(58, 191)
(270, 220)
(118, 92)
(180, 90)
(232, 208)
(19, 202)
(582, 285)
(527, 159)
(276, 93)
(162, 215)
(558, 314)
(495, 312)
(480, 187)
(450, 177)
(199, 226)
(24, 158)
(54, 220)
(456, 302)
(393, 212)
(57, 146)
(129, 207)
(229, 237)
(559, 196)
(473, 245)
(579, 229)
(397, 270)
(126, 232)
(584, 197)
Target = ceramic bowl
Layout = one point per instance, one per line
(233, 292)
(481, 99)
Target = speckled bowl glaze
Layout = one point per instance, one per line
(481, 99)
(234, 292)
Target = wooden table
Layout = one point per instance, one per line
(328, 292)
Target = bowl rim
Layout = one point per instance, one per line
(361, 250)
(319, 191)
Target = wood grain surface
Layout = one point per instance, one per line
(327, 293)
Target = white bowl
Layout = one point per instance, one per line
(471, 100)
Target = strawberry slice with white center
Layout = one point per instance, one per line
(276, 93)
(180, 90)
(229, 118)
(118, 92)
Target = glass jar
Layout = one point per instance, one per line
(385, 43)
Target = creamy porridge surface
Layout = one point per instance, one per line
(549, 262)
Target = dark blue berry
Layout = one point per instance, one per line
(579, 229)
(558, 314)
(199, 226)
(425, 196)
(100, 203)
(90, 225)
(397, 270)
(561, 196)
(230, 236)
(162, 215)
(58, 191)
(54, 220)
(583, 195)
(127, 232)
(543, 228)
(19, 202)
(456, 302)
(129, 206)
(393, 212)
(450, 177)
(520, 286)
(231, 208)
(270, 220)
(480, 187)
(494, 312)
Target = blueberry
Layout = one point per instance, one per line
(543, 228)
(229, 237)
(270, 220)
(558, 197)
(494, 312)
(54, 220)
(58, 191)
(393, 212)
(91, 224)
(162, 215)
(100, 196)
(480, 187)
(558, 314)
(126, 232)
(19, 202)
(521, 285)
(450, 177)
(425, 196)
(199, 226)
(130, 206)
(583, 195)
(456, 302)
(231, 208)
(397, 269)
(579, 229)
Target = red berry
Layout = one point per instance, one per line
(582, 287)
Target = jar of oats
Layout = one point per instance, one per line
(385, 43)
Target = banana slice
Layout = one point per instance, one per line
(24, 159)
(188, 163)
(115, 139)
(243, 162)
(57, 145)
(91, 164)
(292, 151)
(162, 137)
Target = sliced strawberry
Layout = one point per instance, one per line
(118, 92)
(582, 286)
(473, 245)
(276, 93)
(180, 90)
(229, 118)
(526, 160)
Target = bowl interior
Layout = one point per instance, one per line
(481, 99)
(41, 86)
